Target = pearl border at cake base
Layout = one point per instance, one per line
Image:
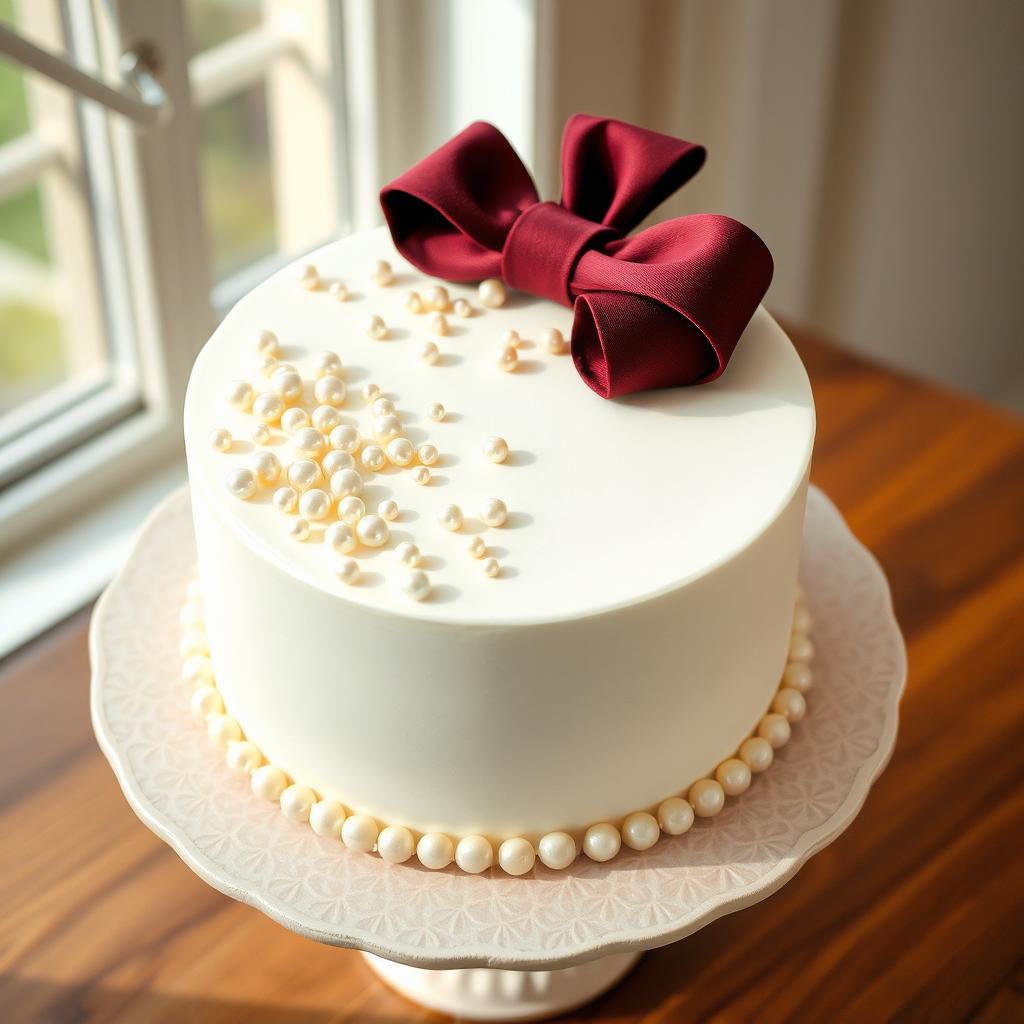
(447, 919)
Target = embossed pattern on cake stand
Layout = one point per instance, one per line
(527, 930)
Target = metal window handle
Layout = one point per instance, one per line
(144, 102)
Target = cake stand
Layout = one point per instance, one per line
(490, 946)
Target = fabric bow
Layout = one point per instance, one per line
(662, 308)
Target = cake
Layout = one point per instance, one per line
(452, 605)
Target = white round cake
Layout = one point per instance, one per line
(581, 608)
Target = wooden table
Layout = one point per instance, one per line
(916, 911)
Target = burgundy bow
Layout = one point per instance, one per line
(662, 308)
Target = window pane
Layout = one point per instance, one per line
(32, 354)
(212, 22)
(237, 184)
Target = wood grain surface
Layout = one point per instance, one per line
(916, 912)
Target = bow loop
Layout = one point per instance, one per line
(616, 173)
(662, 308)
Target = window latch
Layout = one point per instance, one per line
(141, 98)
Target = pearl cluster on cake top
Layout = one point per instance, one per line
(322, 474)
(515, 855)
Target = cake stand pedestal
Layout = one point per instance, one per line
(550, 940)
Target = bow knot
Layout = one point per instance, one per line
(661, 308)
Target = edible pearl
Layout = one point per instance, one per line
(345, 482)
(193, 641)
(206, 700)
(733, 776)
(775, 729)
(261, 433)
(309, 442)
(326, 818)
(370, 392)
(474, 854)
(508, 360)
(421, 476)
(553, 340)
(491, 568)
(415, 585)
(801, 619)
(315, 504)
(267, 344)
(347, 571)
(492, 293)
(240, 395)
(477, 548)
(797, 676)
(339, 291)
(298, 529)
(334, 461)
(800, 647)
(244, 757)
(304, 474)
(345, 439)
(223, 729)
(640, 831)
(496, 449)
(376, 328)
(340, 538)
(191, 617)
(387, 427)
(326, 418)
(435, 851)
(330, 390)
(197, 670)
(351, 509)
(382, 275)
(675, 816)
(372, 531)
(437, 298)
(428, 453)
(388, 510)
(413, 302)
(328, 365)
(241, 483)
(790, 703)
(294, 419)
(373, 458)
(264, 365)
(511, 339)
(757, 753)
(382, 407)
(287, 384)
(436, 412)
(516, 856)
(194, 591)
(269, 782)
(707, 797)
(462, 308)
(359, 833)
(429, 353)
(309, 277)
(450, 517)
(286, 499)
(400, 451)
(557, 850)
(297, 802)
(494, 512)
(602, 842)
(267, 407)
(439, 324)
(408, 554)
(220, 439)
(267, 467)
(395, 844)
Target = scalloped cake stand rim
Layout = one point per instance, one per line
(475, 954)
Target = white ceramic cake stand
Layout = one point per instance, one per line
(490, 946)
